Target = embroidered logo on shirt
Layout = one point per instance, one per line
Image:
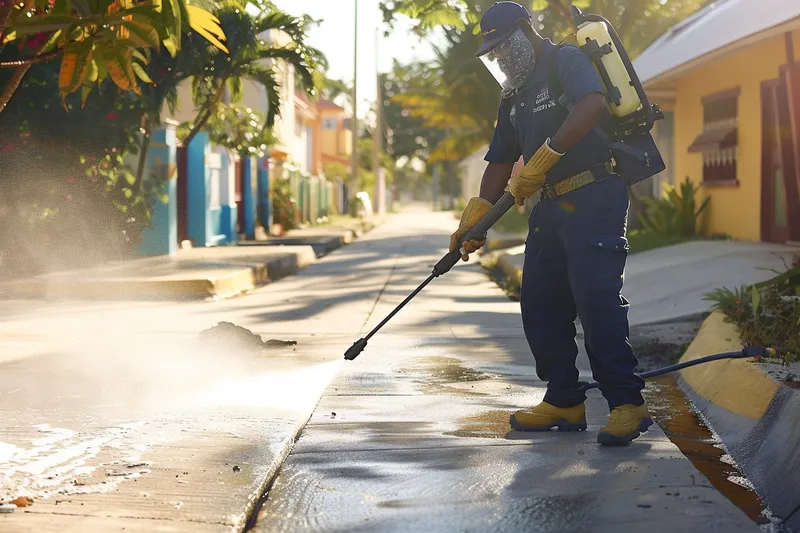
(512, 116)
(543, 96)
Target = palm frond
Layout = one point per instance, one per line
(278, 20)
(265, 77)
(235, 85)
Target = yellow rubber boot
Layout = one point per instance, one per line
(625, 423)
(545, 417)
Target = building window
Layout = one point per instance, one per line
(329, 123)
(719, 141)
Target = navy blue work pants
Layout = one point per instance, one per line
(574, 264)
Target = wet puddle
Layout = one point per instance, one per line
(673, 412)
(486, 425)
(437, 375)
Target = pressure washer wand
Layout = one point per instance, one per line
(444, 265)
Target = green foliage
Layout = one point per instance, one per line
(726, 300)
(430, 14)
(406, 134)
(284, 204)
(68, 199)
(639, 22)
(106, 39)
(787, 283)
(674, 214)
(241, 130)
(767, 313)
(250, 58)
(335, 171)
(448, 107)
(454, 98)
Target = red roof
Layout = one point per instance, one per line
(328, 104)
(337, 159)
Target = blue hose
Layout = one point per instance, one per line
(746, 353)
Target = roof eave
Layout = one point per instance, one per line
(669, 77)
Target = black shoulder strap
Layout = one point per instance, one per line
(557, 94)
(556, 89)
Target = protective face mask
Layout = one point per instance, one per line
(511, 62)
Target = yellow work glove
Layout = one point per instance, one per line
(532, 176)
(475, 210)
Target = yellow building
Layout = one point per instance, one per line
(728, 81)
(336, 141)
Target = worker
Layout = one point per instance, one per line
(576, 248)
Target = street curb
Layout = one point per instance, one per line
(238, 278)
(755, 417)
(509, 269)
(322, 245)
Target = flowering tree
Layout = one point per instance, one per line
(97, 39)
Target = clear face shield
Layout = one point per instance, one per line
(511, 62)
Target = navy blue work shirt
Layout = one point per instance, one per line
(526, 119)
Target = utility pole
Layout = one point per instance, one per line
(435, 186)
(380, 188)
(354, 119)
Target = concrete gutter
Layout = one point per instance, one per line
(755, 416)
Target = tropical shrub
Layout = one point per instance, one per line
(676, 213)
(284, 204)
(767, 313)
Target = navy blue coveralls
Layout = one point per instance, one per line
(576, 248)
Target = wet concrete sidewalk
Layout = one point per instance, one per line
(413, 435)
(120, 417)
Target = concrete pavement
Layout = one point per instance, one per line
(115, 416)
(413, 435)
(124, 419)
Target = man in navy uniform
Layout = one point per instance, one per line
(576, 248)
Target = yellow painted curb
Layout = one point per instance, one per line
(227, 285)
(736, 385)
(509, 269)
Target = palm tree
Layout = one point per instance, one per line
(212, 71)
(252, 58)
(455, 94)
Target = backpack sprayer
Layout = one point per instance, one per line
(628, 138)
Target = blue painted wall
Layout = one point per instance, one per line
(161, 238)
(205, 226)
(228, 210)
(264, 202)
(197, 190)
(248, 197)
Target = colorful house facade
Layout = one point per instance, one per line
(728, 79)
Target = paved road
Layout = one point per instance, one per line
(413, 435)
(127, 421)
(118, 417)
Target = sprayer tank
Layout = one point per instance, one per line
(629, 101)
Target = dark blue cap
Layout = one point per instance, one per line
(500, 21)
